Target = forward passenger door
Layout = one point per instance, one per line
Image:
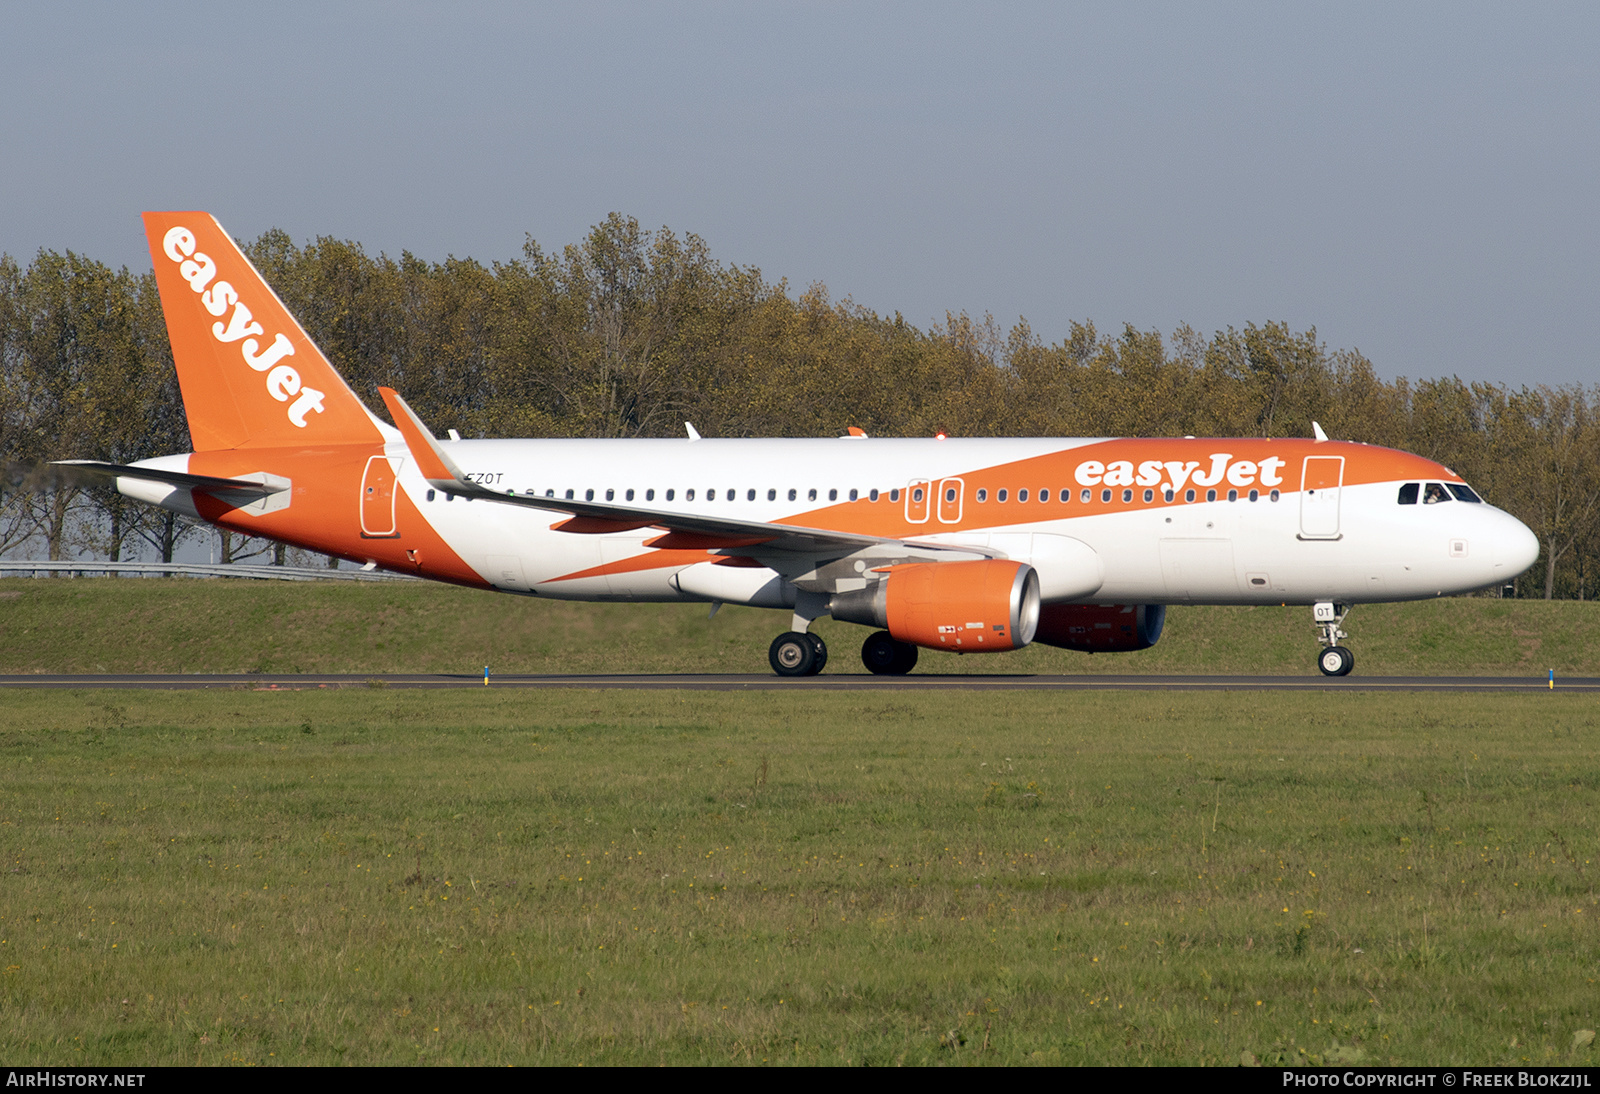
(1321, 478)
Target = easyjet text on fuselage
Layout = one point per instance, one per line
(1179, 473)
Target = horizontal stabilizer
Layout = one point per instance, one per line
(207, 483)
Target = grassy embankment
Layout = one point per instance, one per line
(105, 625)
(381, 876)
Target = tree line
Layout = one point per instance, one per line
(631, 332)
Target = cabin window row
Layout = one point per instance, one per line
(1106, 495)
(918, 494)
(712, 494)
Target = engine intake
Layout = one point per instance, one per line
(1101, 628)
(986, 606)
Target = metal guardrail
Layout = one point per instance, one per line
(34, 568)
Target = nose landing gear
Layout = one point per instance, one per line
(1334, 660)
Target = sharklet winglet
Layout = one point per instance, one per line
(438, 468)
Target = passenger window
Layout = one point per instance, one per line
(833, 495)
(569, 495)
(1408, 493)
(983, 495)
(1149, 495)
(772, 495)
(1463, 492)
(793, 495)
(1044, 495)
(669, 494)
(1434, 493)
(732, 494)
(1022, 495)
(688, 495)
(751, 496)
(811, 495)
(1255, 495)
(1001, 496)
(650, 494)
(611, 495)
(1211, 495)
(430, 495)
(1169, 495)
(1233, 495)
(711, 495)
(629, 494)
(853, 494)
(872, 495)
(1273, 495)
(894, 495)
(1105, 496)
(1127, 496)
(1188, 495)
(1085, 497)
(916, 494)
(549, 493)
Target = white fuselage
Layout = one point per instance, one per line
(1219, 552)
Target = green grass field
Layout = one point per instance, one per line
(381, 876)
(108, 625)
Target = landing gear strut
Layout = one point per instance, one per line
(884, 656)
(1334, 660)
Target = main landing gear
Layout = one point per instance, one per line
(795, 654)
(1334, 660)
(884, 656)
(798, 652)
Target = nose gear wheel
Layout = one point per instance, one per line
(1336, 661)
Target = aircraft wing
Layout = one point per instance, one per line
(684, 530)
(208, 483)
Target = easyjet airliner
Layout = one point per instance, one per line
(960, 545)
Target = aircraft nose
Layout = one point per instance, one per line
(1515, 547)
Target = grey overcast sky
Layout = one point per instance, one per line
(1417, 181)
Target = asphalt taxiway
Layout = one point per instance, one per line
(825, 682)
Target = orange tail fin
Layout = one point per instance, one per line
(251, 378)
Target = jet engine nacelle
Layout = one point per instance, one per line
(985, 606)
(1101, 628)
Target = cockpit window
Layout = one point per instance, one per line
(1463, 492)
(1408, 493)
(1434, 493)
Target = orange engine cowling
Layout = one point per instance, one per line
(1101, 628)
(986, 606)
